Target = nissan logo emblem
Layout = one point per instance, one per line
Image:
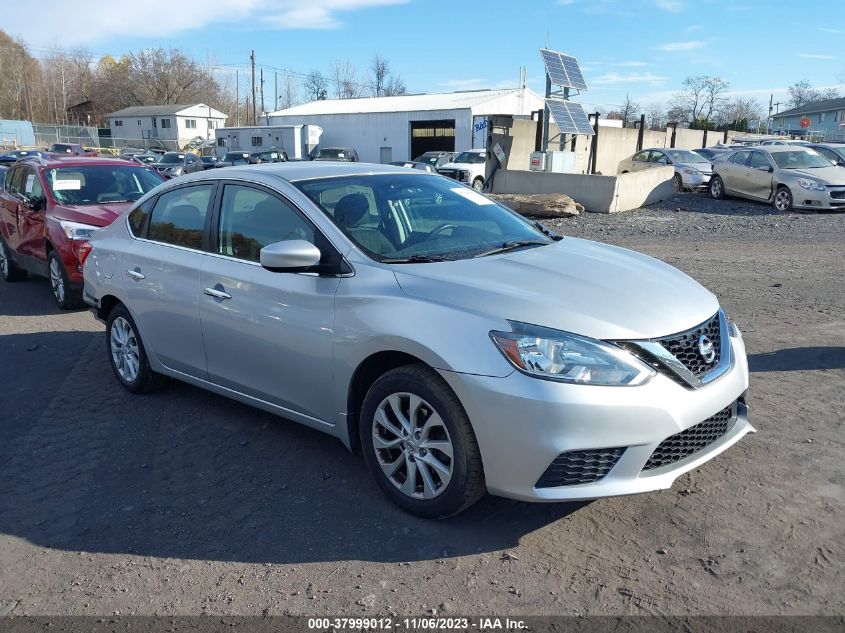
(706, 349)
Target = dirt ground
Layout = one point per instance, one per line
(183, 502)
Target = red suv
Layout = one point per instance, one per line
(50, 208)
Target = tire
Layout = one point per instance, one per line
(8, 268)
(126, 353)
(678, 183)
(478, 185)
(441, 486)
(717, 188)
(66, 297)
(783, 200)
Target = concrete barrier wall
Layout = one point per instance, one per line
(598, 194)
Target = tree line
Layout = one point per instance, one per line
(57, 87)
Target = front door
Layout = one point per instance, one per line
(758, 176)
(162, 278)
(11, 203)
(31, 241)
(733, 171)
(267, 334)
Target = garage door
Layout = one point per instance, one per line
(432, 136)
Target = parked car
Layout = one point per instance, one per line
(710, 153)
(251, 158)
(342, 154)
(787, 176)
(49, 209)
(436, 159)
(692, 171)
(208, 162)
(71, 149)
(468, 167)
(410, 164)
(460, 346)
(172, 164)
(144, 159)
(783, 141)
(834, 152)
(233, 158)
(17, 154)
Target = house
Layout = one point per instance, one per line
(82, 113)
(170, 126)
(827, 120)
(386, 129)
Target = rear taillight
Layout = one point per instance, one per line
(82, 252)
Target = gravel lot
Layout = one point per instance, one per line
(184, 503)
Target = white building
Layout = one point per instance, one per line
(170, 125)
(385, 129)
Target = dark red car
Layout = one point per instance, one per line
(71, 149)
(50, 208)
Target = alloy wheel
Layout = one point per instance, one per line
(413, 446)
(4, 260)
(782, 200)
(57, 280)
(124, 349)
(716, 188)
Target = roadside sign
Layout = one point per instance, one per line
(805, 122)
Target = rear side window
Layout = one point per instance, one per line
(178, 217)
(138, 218)
(739, 158)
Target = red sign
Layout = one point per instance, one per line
(805, 122)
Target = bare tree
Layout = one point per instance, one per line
(741, 114)
(655, 117)
(699, 99)
(802, 92)
(344, 79)
(629, 112)
(290, 92)
(316, 86)
(385, 83)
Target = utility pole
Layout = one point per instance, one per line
(276, 100)
(237, 98)
(261, 86)
(252, 61)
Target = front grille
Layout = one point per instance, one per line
(449, 173)
(838, 194)
(694, 439)
(685, 346)
(579, 467)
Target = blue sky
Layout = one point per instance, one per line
(641, 47)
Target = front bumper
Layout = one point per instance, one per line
(818, 200)
(695, 181)
(523, 423)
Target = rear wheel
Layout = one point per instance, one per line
(717, 188)
(66, 297)
(783, 200)
(8, 268)
(419, 445)
(127, 355)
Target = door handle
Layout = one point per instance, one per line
(217, 294)
(136, 275)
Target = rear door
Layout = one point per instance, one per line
(162, 277)
(9, 208)
(267, 334)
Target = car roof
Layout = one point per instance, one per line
(296, 171)
(776, 149)
(76, 161)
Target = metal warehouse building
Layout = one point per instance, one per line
(385, 129)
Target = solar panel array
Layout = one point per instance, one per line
(563, 69)
(570, 117)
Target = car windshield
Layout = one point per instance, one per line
(685, 156)
(61, 147)
(151, 158)
(332, 152)
(237, 159)
(209, 159)
(800, 159)
(97, 184)
(410, 218)
(172, 157)
(470, 157)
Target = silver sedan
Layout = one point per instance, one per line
(459, 347)
(787, 176)
(692, 171)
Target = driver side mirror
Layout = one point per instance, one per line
(37, 203)
(289, 256)
(767, 168)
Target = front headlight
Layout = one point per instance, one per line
(77, 231)
(555, 355)
(176, 171)
(691, 171)
(815, 185)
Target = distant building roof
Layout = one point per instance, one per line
(816, 106)
(165, 110)
(403, 103)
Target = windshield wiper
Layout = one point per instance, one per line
(546, 231)
(509, 246)
(416, 259)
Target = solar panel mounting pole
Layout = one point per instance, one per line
(545, 145)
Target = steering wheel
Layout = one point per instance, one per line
(440, 229)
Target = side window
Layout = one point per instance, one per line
(740, 158)
(32, 184)
(251, 219)
(138, 218)
(641, 157)
(178, 217)
(15, 177)
(658, 157)
(759, 161)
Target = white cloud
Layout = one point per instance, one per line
(815, 56)
(673, 6)
(103, 20)
(674, 47)
(618, 78)
(633, 64)
(464, 84)
(827, 30)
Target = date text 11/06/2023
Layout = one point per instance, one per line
(421, 623)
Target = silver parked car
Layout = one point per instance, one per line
(787, 176)
(462, 348)
(692, 171)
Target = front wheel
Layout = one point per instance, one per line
(67, 298)
(678, 183)
(127, 355)
(419, 445)
(783, 200)
(717, 188)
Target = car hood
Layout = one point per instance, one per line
(574, 285)
(93, 214)
(457, 166)
(166, 165)
(704, 168)
(831, 175)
